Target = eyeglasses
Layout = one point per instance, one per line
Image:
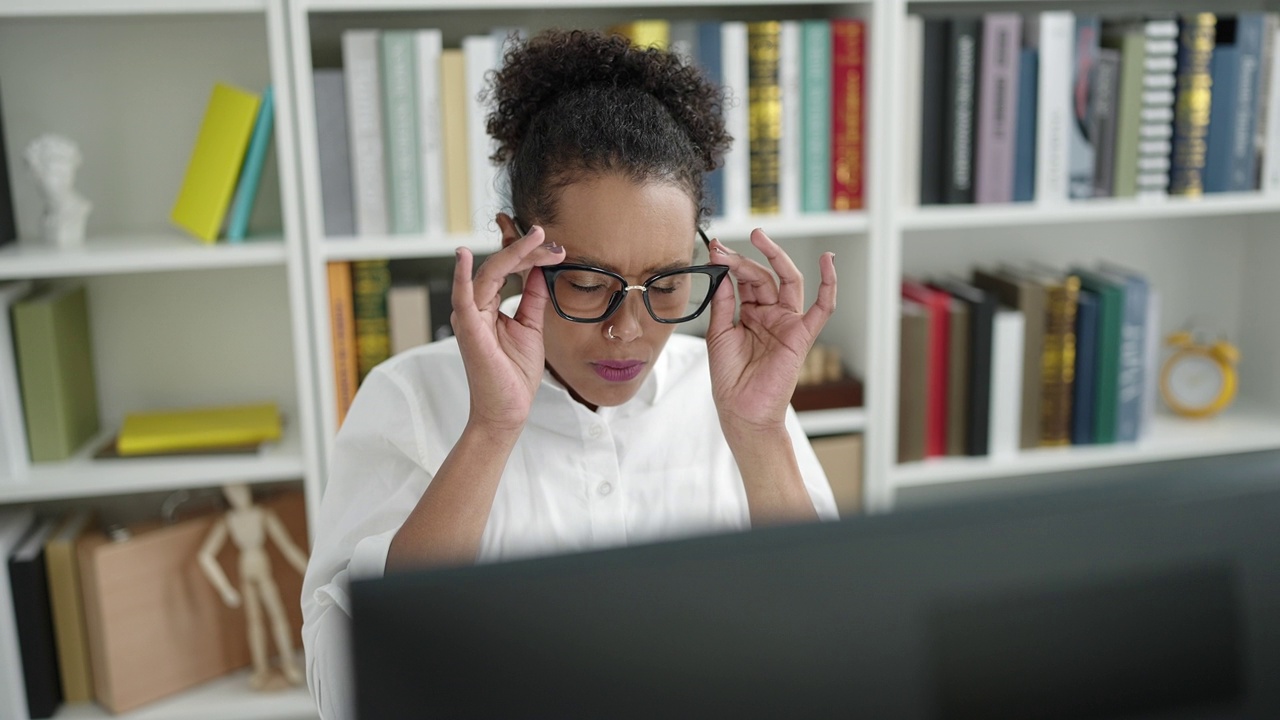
(586, 294)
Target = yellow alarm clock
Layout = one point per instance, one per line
(1199, 379)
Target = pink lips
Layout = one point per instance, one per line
(618, 370)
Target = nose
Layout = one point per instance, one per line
(626, 324)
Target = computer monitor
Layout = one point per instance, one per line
(1098, 604)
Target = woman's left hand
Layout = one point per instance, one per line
(756, 362)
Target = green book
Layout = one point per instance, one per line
(815, 116)
(55, 371)
(1110, 325)
(1132, 46)
(400, 124)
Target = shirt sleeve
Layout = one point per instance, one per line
(815, 478)
(375, 478)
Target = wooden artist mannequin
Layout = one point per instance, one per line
(249, 526)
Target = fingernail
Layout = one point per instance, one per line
(457, 253)
(550, 245)
(719, 250)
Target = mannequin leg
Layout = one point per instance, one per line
(280, 630)
(257, 634)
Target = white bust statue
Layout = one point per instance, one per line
(54, 160)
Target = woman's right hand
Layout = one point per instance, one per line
(503, 356)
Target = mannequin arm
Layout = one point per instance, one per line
(278, 533)
(212, 570)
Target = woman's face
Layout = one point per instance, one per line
(635, 230)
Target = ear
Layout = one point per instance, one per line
(510, 233)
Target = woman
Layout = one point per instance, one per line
(577, 419)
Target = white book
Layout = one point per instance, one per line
(428, 44)
(408, 317)
(13, 689)
(737, 162)
(480, 54)
(912, 119)
(1271, 158)
(1056, 40)
(360, 53)
(1151, 355)
(1008, 330)
(792, 98)
(14, 461)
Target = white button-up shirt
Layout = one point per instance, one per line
(654, 468)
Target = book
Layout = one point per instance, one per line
(1024, 169)
(1054, 34)
(362, 72)
(816, 115)
(790, 133)
(998, 108)
(67, 605)
(646, 33)
(399, 72)
(56, 371)
(1270, 171)
(14, 525)
(709, 59)
(1193, 98)
(8, 220)
(1130, 41)
(1084, 390)
(14, 458)
(428, 46)
(1156, 119)
(841, 460)
(158, 431)
(1251, 29)
(1154, 339)
(329, 89)
(937, 307)
(1111, 305)
(1133, 344)
(848, 119)
(977, 383)
(28, 579)
(457, 172)
(912, 59)
(255, 157)
(480, 56)
(933, 124)
(913, 381)
(214, 165)
(764, 99)
(1058, 359)
(342, 333)
(963, 52)
(1027, 296)
(1007, 354)
(1105, 121)
(408, 316)
(957, 377)
(1225, 74)
(1083, 96)
(370, 281)
(735, 77)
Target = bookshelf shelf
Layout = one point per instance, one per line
(1238, 431)
(114, 255)
(54, 8)
(404, 246)
(225, 697)
(1083, 211)
(835, 421)
(84, 476)
(664, 6)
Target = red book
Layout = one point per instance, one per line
(848, 90)
(937, 305)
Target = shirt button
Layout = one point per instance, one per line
(606, 488)
(595, 431)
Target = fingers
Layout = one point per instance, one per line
(527, 252)
(755, 283)
(533, 301)
(463, 296)
(790, 279)
(825, 305)
(722, 310)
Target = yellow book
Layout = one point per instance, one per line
(453, 96)
(67, 605)
(215, 162)
(199, 429)
(645, 33)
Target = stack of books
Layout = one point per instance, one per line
(233, 428)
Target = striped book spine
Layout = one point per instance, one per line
(1155, 123)
(764, 97)
(1194, 95)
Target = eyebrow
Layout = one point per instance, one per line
(654, 270)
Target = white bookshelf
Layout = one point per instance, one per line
(130, 254)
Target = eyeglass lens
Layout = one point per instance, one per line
(584, 294)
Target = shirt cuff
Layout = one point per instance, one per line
(369, 559)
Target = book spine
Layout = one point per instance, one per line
(1250, 30)
(1034, 306)
(1225, 77)
(1193, 98)
(1053, 105)
(998, 108)
(913, 380)
(958, 336)
(961, 113)
(816, 116)
(1007, 341)
(1105, 121)
(1059, 364)
(1131, 379)
(1084, 389)
(710, 60)
(364, 123)
(933, 125)
(848, 48)
(400, 128)
(329, 88)
(981, 329)
(649, 33)
(342, 331)
(428, 45)
(1024, 171)
(66, 603)
(251, 169)
(35, 635)
(1152, 340)
(480, 56)
(792, 97)
(13, 432)
(1084, 64)
(408, 317)
(912, 60)
(1155, 128)
(457, 175)
(1110, 317)
(735, 78)
(370, 281)
(764, 98)
(937, 308)
(1270, 180)
(1129, 114)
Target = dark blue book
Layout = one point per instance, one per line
(1085, 388)
(708, 58)
(1024, 159)
(1250, 28)
(933, 111)
(1133, 343)
(1225, 71)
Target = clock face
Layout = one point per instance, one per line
(1196, 381)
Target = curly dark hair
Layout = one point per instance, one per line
(568, 104)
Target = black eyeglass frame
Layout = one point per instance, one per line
(717, 274)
